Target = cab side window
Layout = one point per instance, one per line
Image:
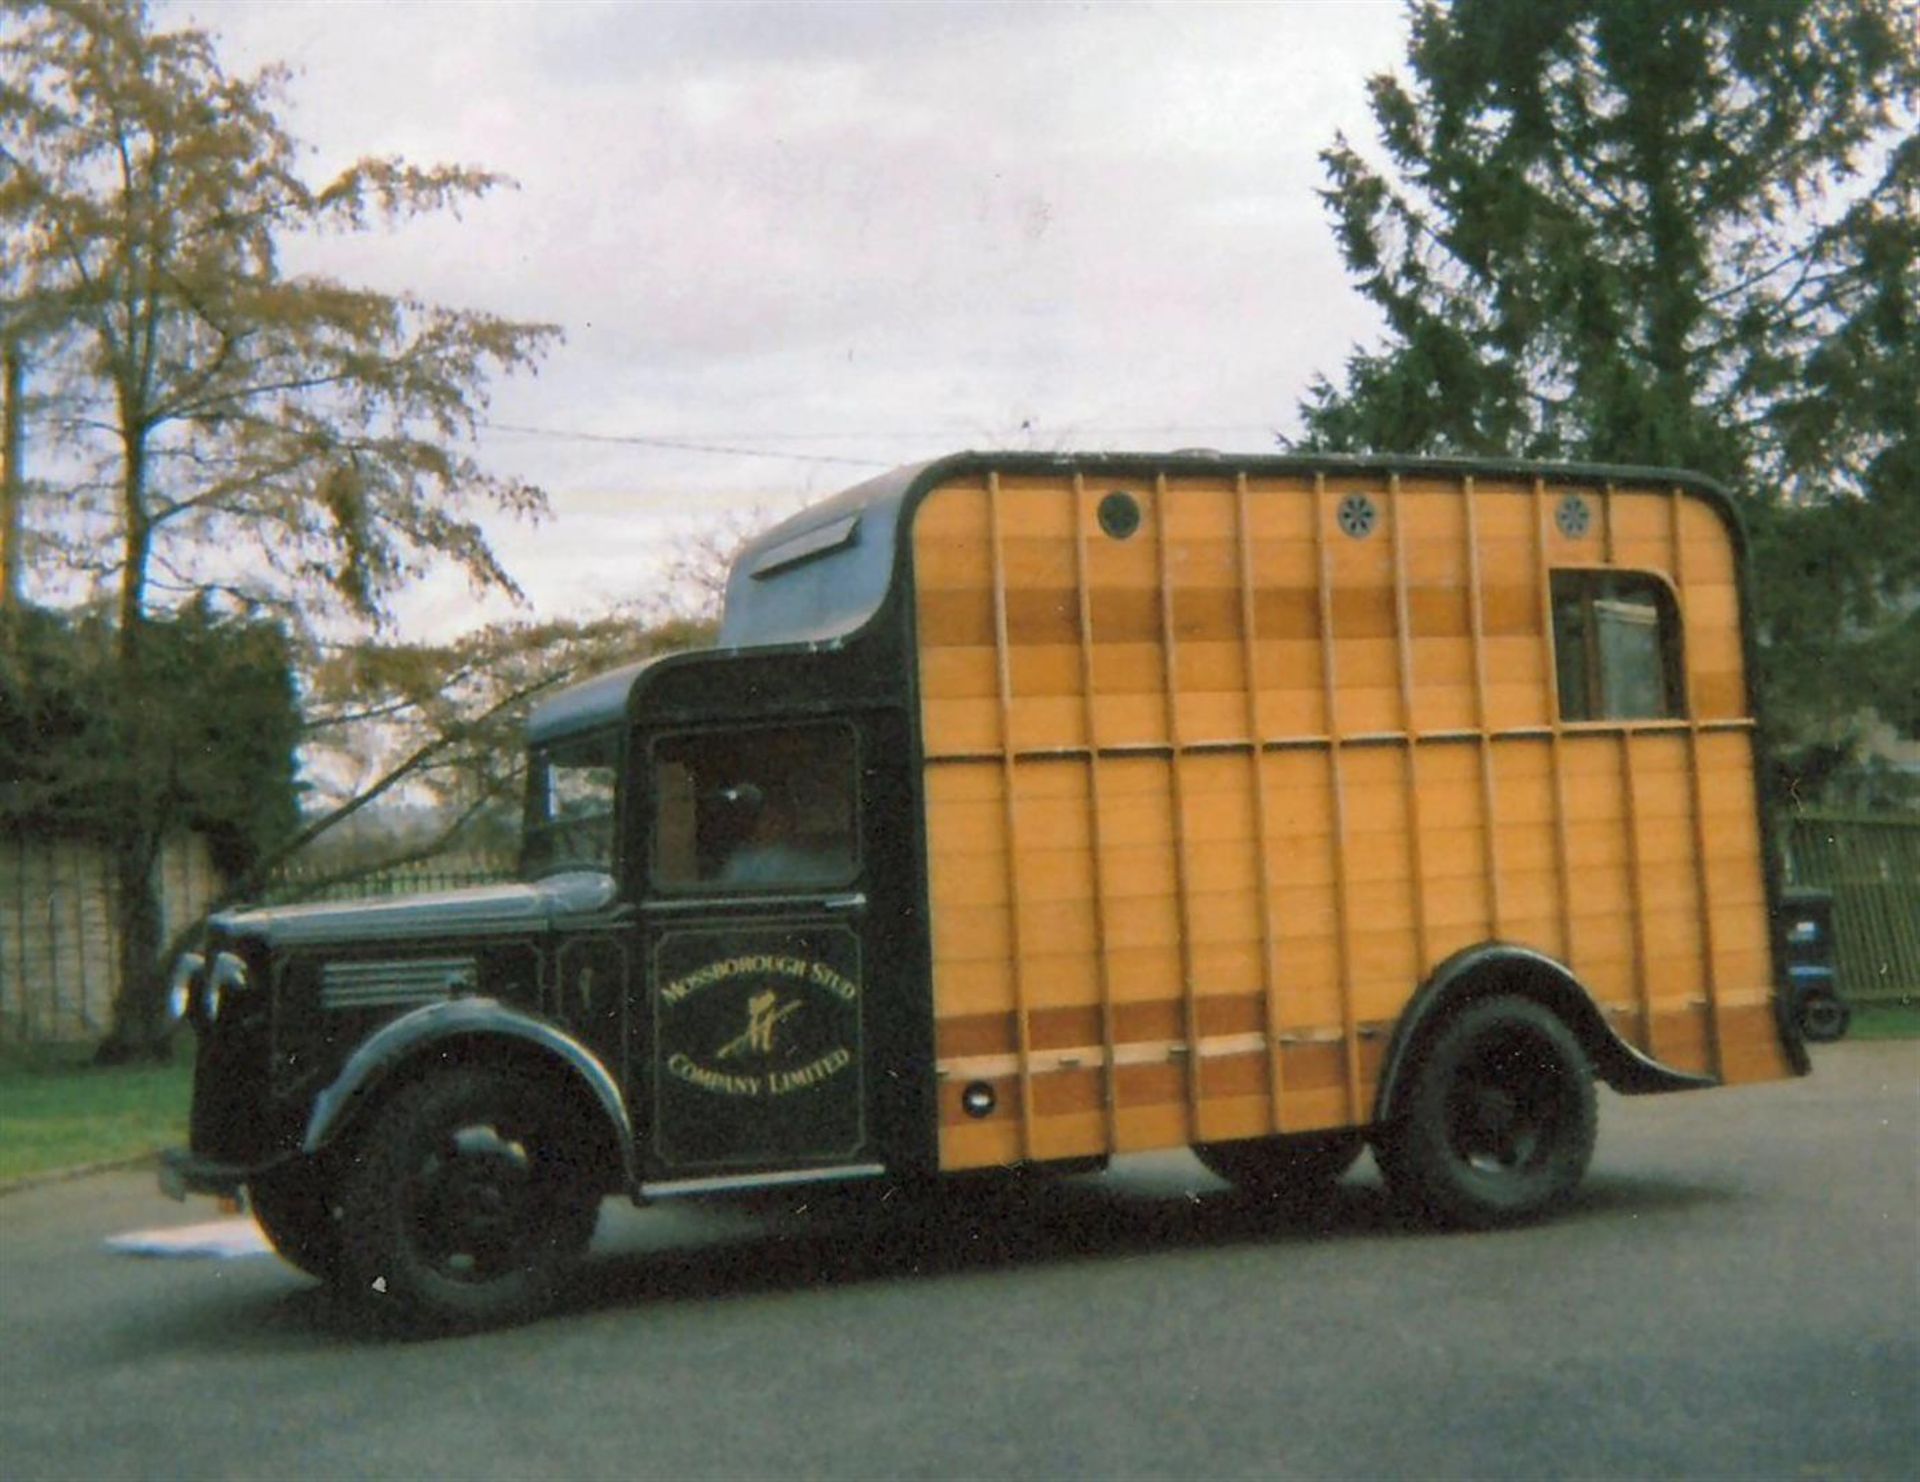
(1616, 647)
(770, 809)
(573, 787)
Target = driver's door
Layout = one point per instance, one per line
(753, 1027)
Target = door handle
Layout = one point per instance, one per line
(852, 901)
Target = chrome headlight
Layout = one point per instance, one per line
(188, 973)
(227, 975)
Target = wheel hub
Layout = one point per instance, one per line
(1500, 1114)
(474, 1203)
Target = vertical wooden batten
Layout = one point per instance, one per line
(1090, 712)
(1556, 733)
(1403, 654)
(1342, 910)
(1477, 637)
(1182, 864)
(1696, 793)
(1256, 760)
(1630, 822)
(1003, 663)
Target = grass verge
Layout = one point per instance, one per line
(1885, 1021)
(57, 1111)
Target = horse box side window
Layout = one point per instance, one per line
(755, 809)
(1616, 646)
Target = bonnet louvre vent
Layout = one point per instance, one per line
(368, 985)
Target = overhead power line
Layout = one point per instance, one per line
(680, 445)
(730, 444)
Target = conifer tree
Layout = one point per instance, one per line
(1633, 231)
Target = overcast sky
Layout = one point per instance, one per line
(859, 232)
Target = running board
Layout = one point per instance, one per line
(740, 1183)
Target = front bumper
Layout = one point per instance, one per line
(183, 1172)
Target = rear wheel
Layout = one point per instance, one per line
(296, 1212)
(1293, 1169)
(1499, 1122)
(469, 1201)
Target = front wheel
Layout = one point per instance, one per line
(1499, 1122)
(468, 1202)
(295, 1211)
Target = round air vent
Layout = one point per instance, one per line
(1357, 515)
(1119, 514)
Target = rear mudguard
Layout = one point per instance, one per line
(1500, 967)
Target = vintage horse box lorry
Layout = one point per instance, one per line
(1035, 809)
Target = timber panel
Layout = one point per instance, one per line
(59, 936)
(1206, 803)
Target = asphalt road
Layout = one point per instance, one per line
(1736, 1294)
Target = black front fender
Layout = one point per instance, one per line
(458, 1025)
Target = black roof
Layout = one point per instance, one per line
(822, 573)
(587, 706)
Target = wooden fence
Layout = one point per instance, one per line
(59, 952)
(1872, 866)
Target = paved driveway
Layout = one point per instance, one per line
(1735, 1295)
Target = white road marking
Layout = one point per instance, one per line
(218, 1240)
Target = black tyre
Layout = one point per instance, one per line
(1824, 1017)
(295, 1211)
(468, 1201)
(1499, 1122)
(1295, 1169)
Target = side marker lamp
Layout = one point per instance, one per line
(978, 1099)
